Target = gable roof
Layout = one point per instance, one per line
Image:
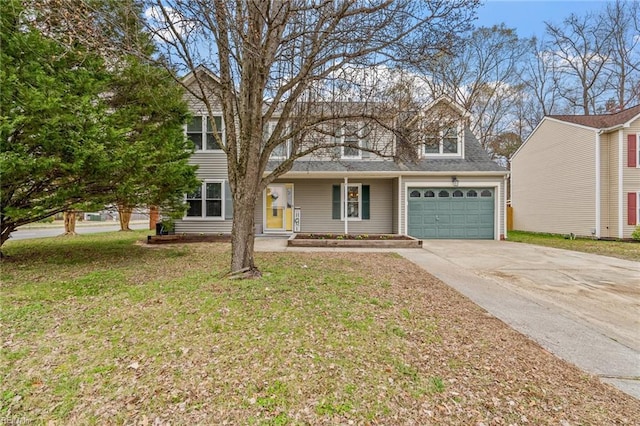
(601, 121)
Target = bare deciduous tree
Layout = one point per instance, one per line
(305, 64)
(623, 17)
(580, 46)
(484, 77)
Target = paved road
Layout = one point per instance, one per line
(54, 231)
(584, 308)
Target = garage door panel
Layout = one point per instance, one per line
(463, 216)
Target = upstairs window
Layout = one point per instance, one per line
(201, 132)
(352, 138)
(283, 150)
(446, 142)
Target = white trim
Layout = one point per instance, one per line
(620, 183)
(598, 190)
(496, 186)
(637, 153)
(203, 132)
(441, 153)
(400, 205)
(508, 197)
(357, 137)
(345, 200)
(266, 134)
(284, 213)
(343, 204)
(203, 216)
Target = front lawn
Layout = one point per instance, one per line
(629, 250)
(102, 329)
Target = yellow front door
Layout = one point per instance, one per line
(279, 207)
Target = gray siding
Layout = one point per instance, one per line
(314, 199)
(553, 180)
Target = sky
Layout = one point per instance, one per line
(528, 16)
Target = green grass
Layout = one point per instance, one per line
(101, 329)
(621, 249)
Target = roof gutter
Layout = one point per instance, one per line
(389, 174)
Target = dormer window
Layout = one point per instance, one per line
(200, 130)
(446, 142)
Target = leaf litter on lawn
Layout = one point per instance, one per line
(320, 339)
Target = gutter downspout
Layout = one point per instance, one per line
(598, 184)
(620, 183)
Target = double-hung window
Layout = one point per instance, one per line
(281, 151)
(201, 130)
(353, 204)
(206, 201)
(446, 142)
(352, 140)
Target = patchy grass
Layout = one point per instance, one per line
(628, 250)
(103, 330)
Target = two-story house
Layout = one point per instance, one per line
(451, 189)
(579, 174)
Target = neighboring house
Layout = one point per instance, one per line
(452, 190)
(579, 174)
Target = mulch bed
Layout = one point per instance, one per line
(367, 237)
(188, 238)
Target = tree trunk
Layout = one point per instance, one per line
(70, 222)
(154, 215)
(124, 214)
(5, 233)
(243, 234)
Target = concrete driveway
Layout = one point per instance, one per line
(585, 308)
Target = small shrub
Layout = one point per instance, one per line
(636, 233)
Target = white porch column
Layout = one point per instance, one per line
(344, 207)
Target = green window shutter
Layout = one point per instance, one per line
(365, 202)
(335, 202)
(228, 201)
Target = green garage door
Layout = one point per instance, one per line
(454, 213)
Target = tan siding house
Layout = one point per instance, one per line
(451, 189)
(580, 175)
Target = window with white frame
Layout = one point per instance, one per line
(353, 203)
(281, 151)
(200, 130)
(352, 138)
(446, 142)
(206, 201)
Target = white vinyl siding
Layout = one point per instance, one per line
(553, 180)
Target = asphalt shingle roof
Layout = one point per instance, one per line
(476, 160)
(601, 121)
